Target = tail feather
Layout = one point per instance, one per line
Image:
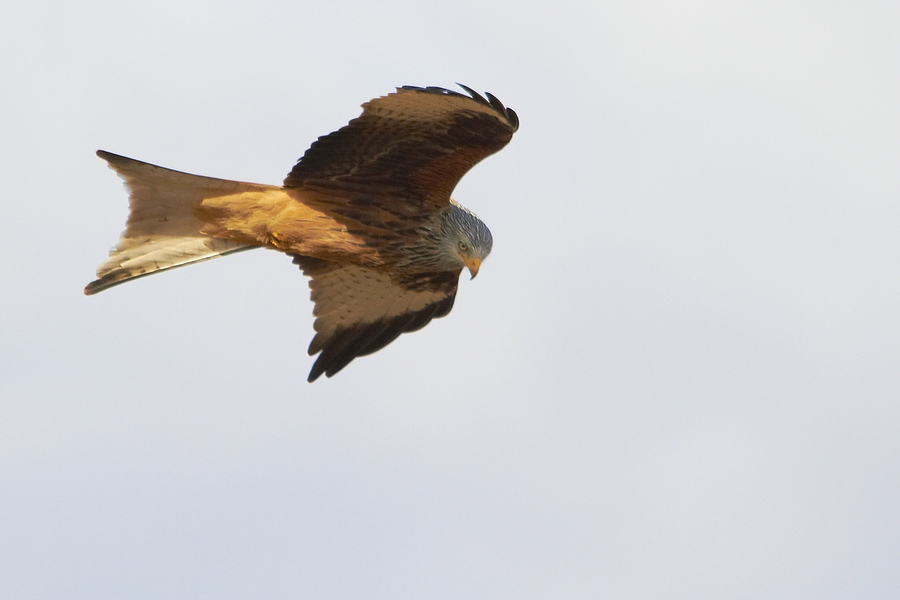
(163, 231)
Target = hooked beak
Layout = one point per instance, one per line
(473, 264)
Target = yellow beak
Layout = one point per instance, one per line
(473, 264)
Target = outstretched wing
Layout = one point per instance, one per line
(407, 151)
(360, 310)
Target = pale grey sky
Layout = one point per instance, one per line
(676, 376)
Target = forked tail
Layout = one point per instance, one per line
(163, 231)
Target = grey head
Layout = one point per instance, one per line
(465, 241)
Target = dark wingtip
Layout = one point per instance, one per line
(474, 95)
(109, 280)
(491, 100)
(111, 157)
(431, 89)
(513, 118)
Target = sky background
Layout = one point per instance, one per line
(676, 376)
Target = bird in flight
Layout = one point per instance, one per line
(366, 213)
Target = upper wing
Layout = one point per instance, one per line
(359, 310)
(407, 151)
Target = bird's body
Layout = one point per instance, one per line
(366, 213)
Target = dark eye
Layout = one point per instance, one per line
(463, 247)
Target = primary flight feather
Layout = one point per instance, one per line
(366, 213)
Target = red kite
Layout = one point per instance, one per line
(366, 213)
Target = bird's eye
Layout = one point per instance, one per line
(463, 247)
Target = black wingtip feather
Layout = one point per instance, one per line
(474, 95)
(513, 118)
(491, 100)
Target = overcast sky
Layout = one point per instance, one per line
(675, 377)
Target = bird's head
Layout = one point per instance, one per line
(467, 240)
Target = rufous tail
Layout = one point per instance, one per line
(163, 231)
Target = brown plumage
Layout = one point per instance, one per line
(366, 213)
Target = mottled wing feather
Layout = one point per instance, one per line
(407, 151)
(360, 310)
